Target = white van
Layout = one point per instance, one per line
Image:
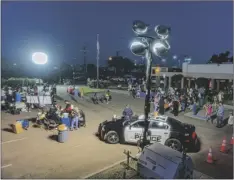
(161, 162)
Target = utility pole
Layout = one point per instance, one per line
(98, 53)
(117, 53)
(84, 50)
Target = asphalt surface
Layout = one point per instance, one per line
(36, 154)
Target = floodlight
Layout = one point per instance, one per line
(139, 27)
(39, 58)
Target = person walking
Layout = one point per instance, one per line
(209, 111)
(82, 93)
(220, 114)
(75, 118)
(230, 119)
(127, 113)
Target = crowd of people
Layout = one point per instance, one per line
(179, 100)
(53, 117)
(16, 96)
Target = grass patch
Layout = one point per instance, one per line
(88, 90)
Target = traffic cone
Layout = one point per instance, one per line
(223, 146)
(232, 140)
(210, 157)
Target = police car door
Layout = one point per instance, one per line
(159, 131)
(134, 131)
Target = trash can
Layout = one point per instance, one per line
(24, 123)
(17, 97)
(62, 133)
(66, 122)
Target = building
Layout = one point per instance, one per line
(190, 72)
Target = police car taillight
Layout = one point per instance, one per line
(194, 135)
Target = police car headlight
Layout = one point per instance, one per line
(103, 128)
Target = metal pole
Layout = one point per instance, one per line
(85, 65)
(98, 51)
(148, 57)
(84, 50)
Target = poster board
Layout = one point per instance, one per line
(32, 99)
(45, 100)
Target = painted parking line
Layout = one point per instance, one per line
(103, 169)
(8, 165)
(15, 140)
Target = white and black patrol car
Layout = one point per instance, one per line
(162, 129)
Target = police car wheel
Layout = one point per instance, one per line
(174, 144)
(112, 137)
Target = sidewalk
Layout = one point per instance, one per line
(201, 115)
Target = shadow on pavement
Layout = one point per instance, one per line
(10, 129)
(197, 147)
(74, 99)
(225, 122)
(53, 137)
(59, 98)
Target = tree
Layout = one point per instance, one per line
(202, 82)
(221, 58)
(121, 64)
(176, 80)
(91, 70)
(66, 71)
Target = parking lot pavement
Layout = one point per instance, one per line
(38, 155)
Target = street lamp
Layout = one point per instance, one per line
(144, 45)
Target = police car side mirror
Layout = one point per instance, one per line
(166, 127)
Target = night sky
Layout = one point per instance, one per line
(60, 29)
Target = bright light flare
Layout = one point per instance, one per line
(174, 57)
(164, 60)
(39, 58)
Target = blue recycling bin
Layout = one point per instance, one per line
(66, 121)
(17, 97)
(25, 123)
(62, 136)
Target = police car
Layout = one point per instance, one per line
(162, 129)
